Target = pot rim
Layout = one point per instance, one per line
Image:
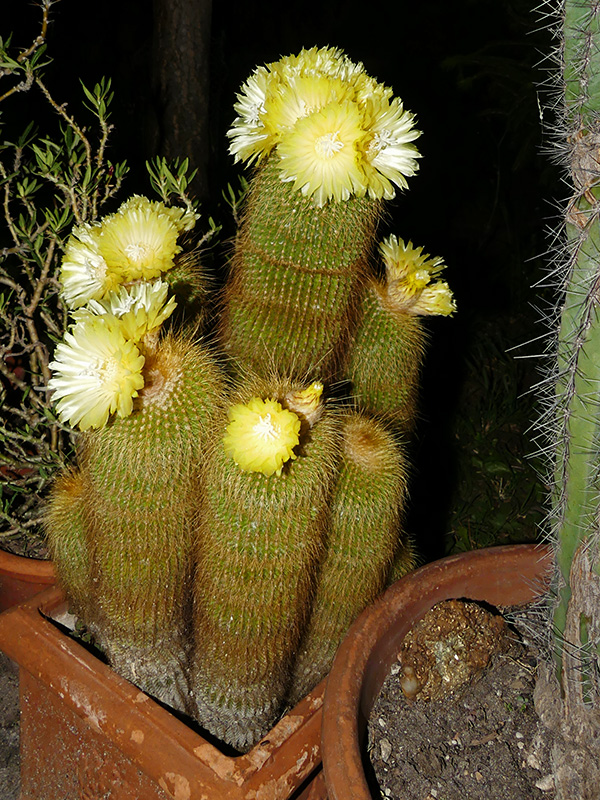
(512, 575)
(148, 735)
(29, 570)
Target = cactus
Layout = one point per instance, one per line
(386, 351)
(572, 417)
(68, 548)
(218, 538)
(364, 536)
(296, 275)
(260, 539)
(138, 484)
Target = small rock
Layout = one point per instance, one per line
(546, 784)
(386, 749)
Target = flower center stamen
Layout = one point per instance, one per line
(138, 251)
(329, 145)
(265, 429)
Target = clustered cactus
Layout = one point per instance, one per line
(238, 500)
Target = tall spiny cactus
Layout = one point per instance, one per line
(363, 538)
(390, 338)
(120, 527)
(330, 142)
(260, 539)
(573, 414)
(296, 278)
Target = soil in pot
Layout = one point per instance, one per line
(456, 721)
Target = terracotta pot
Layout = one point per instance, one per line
(501, 576)
(86, 732)
(22, 578)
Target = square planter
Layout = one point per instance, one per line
(88, 733)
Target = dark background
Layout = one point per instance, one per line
(470, 72)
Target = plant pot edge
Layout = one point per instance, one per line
(22, 577)
(361, 663)
(154, 740)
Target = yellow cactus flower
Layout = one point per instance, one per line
(320, 155)
(410, 273)
(403, 261)
(307, 402)
(97, 372)
(184, 219)
(249, 138)
(436, 299)
(84, 274)
(298, 97)
(139, 240)
(276, 101)
(261, 436)
(141, 308)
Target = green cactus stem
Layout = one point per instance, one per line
(385, 358)
(140, 475)
(364, 537)
(66, 535)
(576, 486)
(296, 277)
(261, 538)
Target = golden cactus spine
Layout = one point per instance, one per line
(297, 273)
(364, 536)
(140, 476)
(260, 541)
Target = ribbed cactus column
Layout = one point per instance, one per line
(260, 540)
(67, 539)
(141, 484)
(364, 535)
(573, 415)
(576, 480)
(330, 143)
(384, 359)
(296, 279)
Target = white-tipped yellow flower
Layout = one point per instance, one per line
(97, 372)
(249, 138)
(321, 154)
(141, 308)
(436, 299)
(299, 97)
(410, 273)
(390, 156)
(184, 219)
(276, 101)
(261, 436)
(84, 274)
(139, 241)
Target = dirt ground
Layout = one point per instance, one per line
(483, 741)
(9, 729)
